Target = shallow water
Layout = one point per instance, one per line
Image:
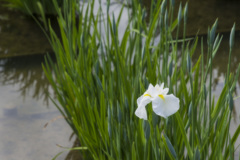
(24, 111)
(24, 104)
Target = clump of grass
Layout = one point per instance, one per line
(98, 77)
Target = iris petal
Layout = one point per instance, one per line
(165, 107)
(150, 90)
(165, 91)
(162, 85)
(141, 110)
(157, 86)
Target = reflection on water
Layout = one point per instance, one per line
(25, 73)
(24, 112)
(20, 35)
(203, 13)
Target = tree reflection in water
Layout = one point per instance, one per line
(27, 73)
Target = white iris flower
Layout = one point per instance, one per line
(163, 105)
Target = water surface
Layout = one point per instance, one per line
(24, 111)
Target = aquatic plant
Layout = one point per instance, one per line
(99, 75)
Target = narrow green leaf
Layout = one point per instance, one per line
(170, 68)
(197, 154)
(181, 127)
(185, 12)
(146, 129)
(230, 101)
(170, 147)
(172, 3)
(232, 36)
(189, 64)
(179, 14)
(213, 32)
(133, 152)
(114, 26)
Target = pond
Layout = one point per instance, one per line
(30, 125)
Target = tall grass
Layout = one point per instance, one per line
(98, 77)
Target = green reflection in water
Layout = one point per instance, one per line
(20, 35)
(25, 72)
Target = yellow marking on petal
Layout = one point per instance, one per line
(161, 96)
(147, 95)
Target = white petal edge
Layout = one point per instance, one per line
(150, 86)
(150, 90)
(162, 86)
(165, 91)
(141, 110)
(157, 86)
(165, 107)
